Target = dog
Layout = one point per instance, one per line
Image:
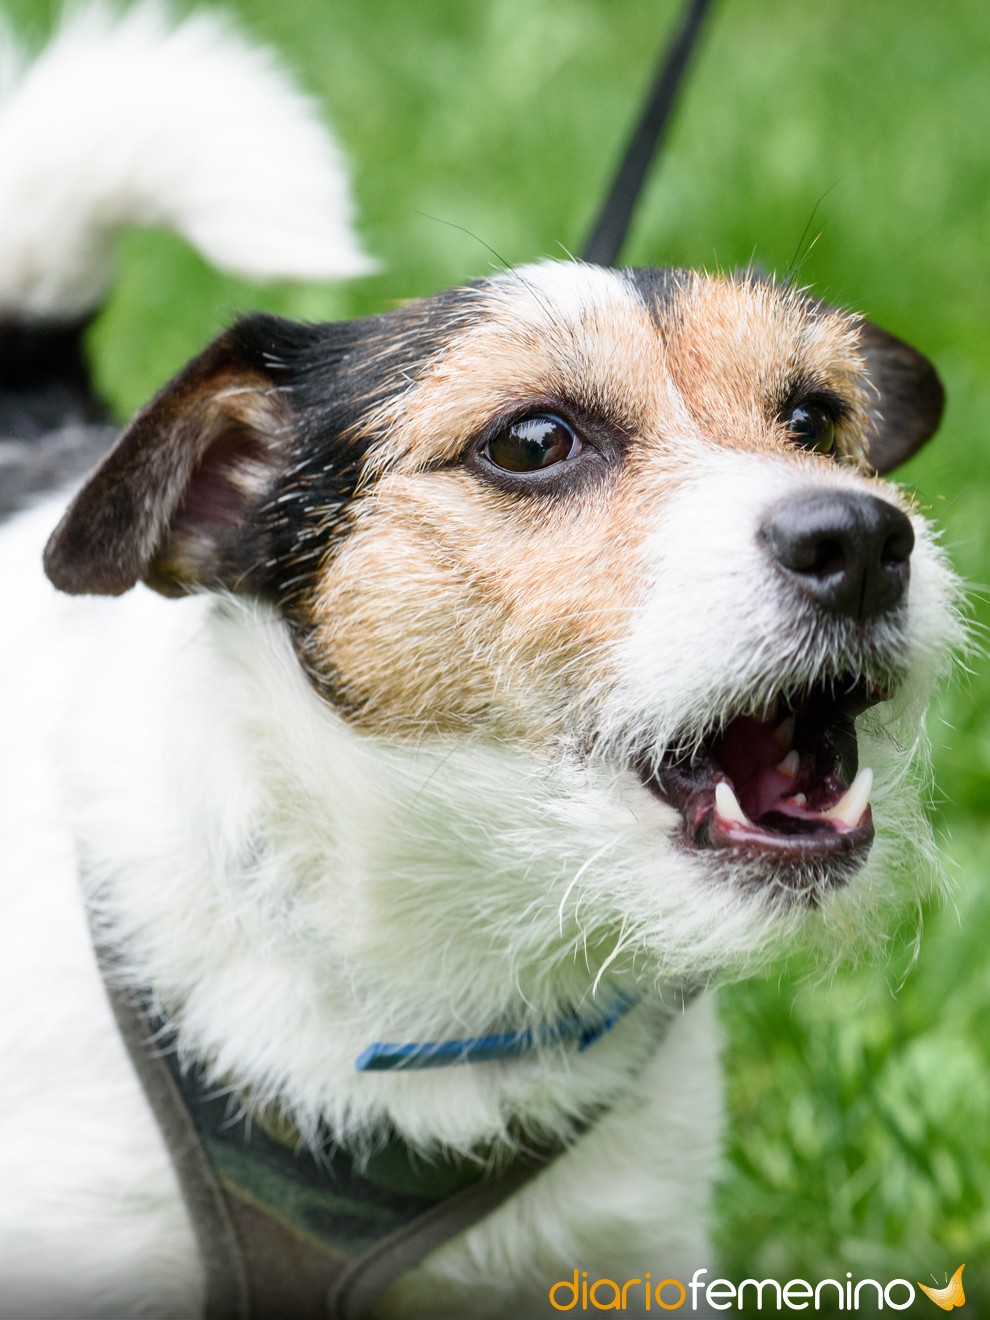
(430, 707)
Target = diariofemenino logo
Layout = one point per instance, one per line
(583, 1294)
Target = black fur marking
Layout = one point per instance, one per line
(53, 428)
(658, 288)
(44, 379)
(333, 376)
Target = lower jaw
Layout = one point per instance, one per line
(799, 847)
(783, 869)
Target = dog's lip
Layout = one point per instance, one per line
(791, 832)
(781, 783)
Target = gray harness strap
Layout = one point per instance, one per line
(284, 1235)
(226, 1284)
(370, 1274)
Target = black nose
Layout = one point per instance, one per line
(849, 553)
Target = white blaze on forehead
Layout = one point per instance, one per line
(566, 292)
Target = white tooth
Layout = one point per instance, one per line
(790, 765)
(853, 803)
(800, 799)
(784, 732)
(727, 804)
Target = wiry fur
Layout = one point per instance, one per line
(376, 776)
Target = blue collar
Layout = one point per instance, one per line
(383, 1057)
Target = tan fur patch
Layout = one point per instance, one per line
(743, 345)
(447, 611)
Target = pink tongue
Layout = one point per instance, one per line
(749, 753)
(764, 794)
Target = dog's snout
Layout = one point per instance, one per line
(849, 553)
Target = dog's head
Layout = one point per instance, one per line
(604, 556)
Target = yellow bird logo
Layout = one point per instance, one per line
(949, 1296)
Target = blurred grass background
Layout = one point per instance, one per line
(860, 1133)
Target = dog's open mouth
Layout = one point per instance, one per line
(783, 782)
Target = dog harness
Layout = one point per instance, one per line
(287, 1233)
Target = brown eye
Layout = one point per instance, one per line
(533, 443)
(812, 425)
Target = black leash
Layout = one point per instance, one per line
(610, 229)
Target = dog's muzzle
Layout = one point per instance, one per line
(781, 782)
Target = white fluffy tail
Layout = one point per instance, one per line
(130, 120)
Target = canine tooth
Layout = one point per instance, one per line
(727, 804)
(784, 733)
(790, 765)
(800, 799)
(850, 807)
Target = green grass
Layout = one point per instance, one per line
(860, 1136)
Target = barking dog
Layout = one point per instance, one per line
(513, 663)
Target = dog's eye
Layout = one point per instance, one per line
(533, 443)
(812, 425)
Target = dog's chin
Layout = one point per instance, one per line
(774, 798)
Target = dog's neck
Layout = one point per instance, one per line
(293, 894)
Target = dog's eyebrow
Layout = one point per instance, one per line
(555, 331)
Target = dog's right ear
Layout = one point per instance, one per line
(171, 502)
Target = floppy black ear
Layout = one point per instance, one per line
(170, 502)
(909, 407)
